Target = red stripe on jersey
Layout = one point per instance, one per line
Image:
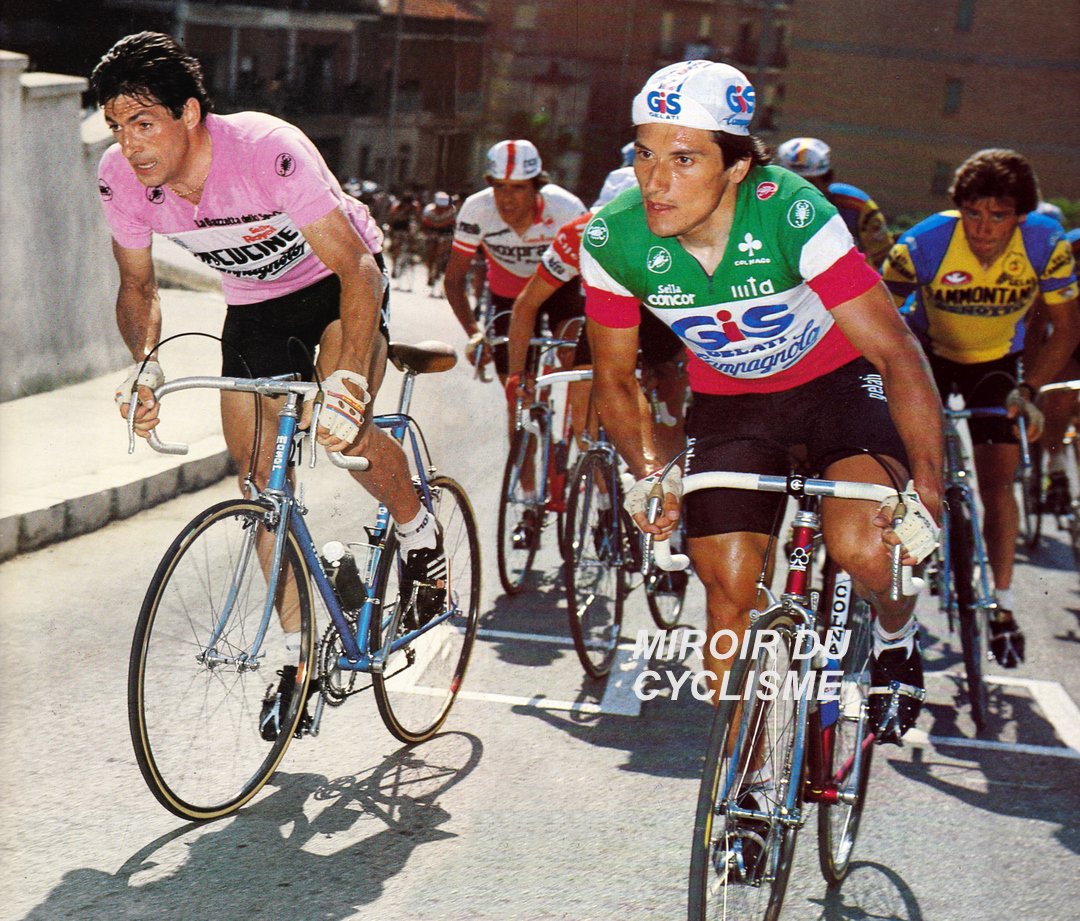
(614, 310)
(844, 280)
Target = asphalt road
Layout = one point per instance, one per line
(547, 797)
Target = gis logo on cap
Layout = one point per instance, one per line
(661, 103)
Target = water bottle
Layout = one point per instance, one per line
(340, 568)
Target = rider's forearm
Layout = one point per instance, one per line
(915, 408)
(616, 401)
(138, 317)
(1054, 353)
(361, 300)
(454, 286)
(523, 321)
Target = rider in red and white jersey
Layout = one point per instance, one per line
(515, 220)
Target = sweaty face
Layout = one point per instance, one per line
(989, 224)
(153, 142)
(515, 200)
(682, 177)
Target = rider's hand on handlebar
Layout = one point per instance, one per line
(916, 530)
(344, 407)
(637, 503)
(477, 350)
(1018, 404)
(147, 379)
(519, 386)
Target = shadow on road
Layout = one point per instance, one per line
(314, 848)
(870, 892)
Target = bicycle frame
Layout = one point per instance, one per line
(286, 512)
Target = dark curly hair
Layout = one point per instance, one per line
(996, 173)
(151, 67)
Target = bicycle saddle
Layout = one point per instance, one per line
(427, 357)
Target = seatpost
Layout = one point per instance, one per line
(406, 392)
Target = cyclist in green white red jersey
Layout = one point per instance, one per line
(972, 277)
(792, 341)
(811, 158)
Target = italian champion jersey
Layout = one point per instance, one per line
(512, 258)
(266, 181)
(561, 261)
(968, 313)
(761, 322)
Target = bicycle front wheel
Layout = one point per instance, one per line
(972, 634)
(595, 582)
(420, 681)
(838, 821)
(198, 674)
(517, 546)
(748, 810)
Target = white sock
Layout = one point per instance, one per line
(904, 638)
(421, 531)
(1004, 598)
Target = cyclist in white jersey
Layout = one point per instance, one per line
(793, 341)
(515, 220)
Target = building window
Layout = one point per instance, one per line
(525, 16)
(942, 179)
(953, 90)
(965, 13)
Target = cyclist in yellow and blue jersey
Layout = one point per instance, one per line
(970, 279)
(811, 158)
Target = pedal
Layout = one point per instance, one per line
(894, 722)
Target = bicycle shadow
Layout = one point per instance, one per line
(1043, 790)
(540, 609)
(871, 891)
(667, 740)
(315, 848)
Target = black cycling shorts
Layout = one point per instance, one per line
(657, 343)
(985, 383)
(257, 337)
(839, 415)
(565, 303)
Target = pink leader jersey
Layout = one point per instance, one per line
(266, 181)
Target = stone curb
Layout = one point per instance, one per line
(72, 517)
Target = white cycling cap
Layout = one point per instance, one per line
(442, 199)
(514, 160)
(697, 94)
(805, 156)
(1051, 210)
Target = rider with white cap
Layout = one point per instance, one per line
(811, 158)
(792, 341)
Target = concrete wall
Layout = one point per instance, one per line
(57, 275)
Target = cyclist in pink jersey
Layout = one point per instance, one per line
(515, 219)
(250, 196)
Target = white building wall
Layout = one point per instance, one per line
(57, 276)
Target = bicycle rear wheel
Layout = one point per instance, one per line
(972, 634)
(420, 681)
(196, 685)
(739, 866)
(595, 582)
(838, 821)
(515, 562)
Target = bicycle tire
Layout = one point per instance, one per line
(516, 563)
(194, 722)
(972, 635)
(718, 888)
(595, 581)
(838, 822)
(420, 682)
(1031, 500)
